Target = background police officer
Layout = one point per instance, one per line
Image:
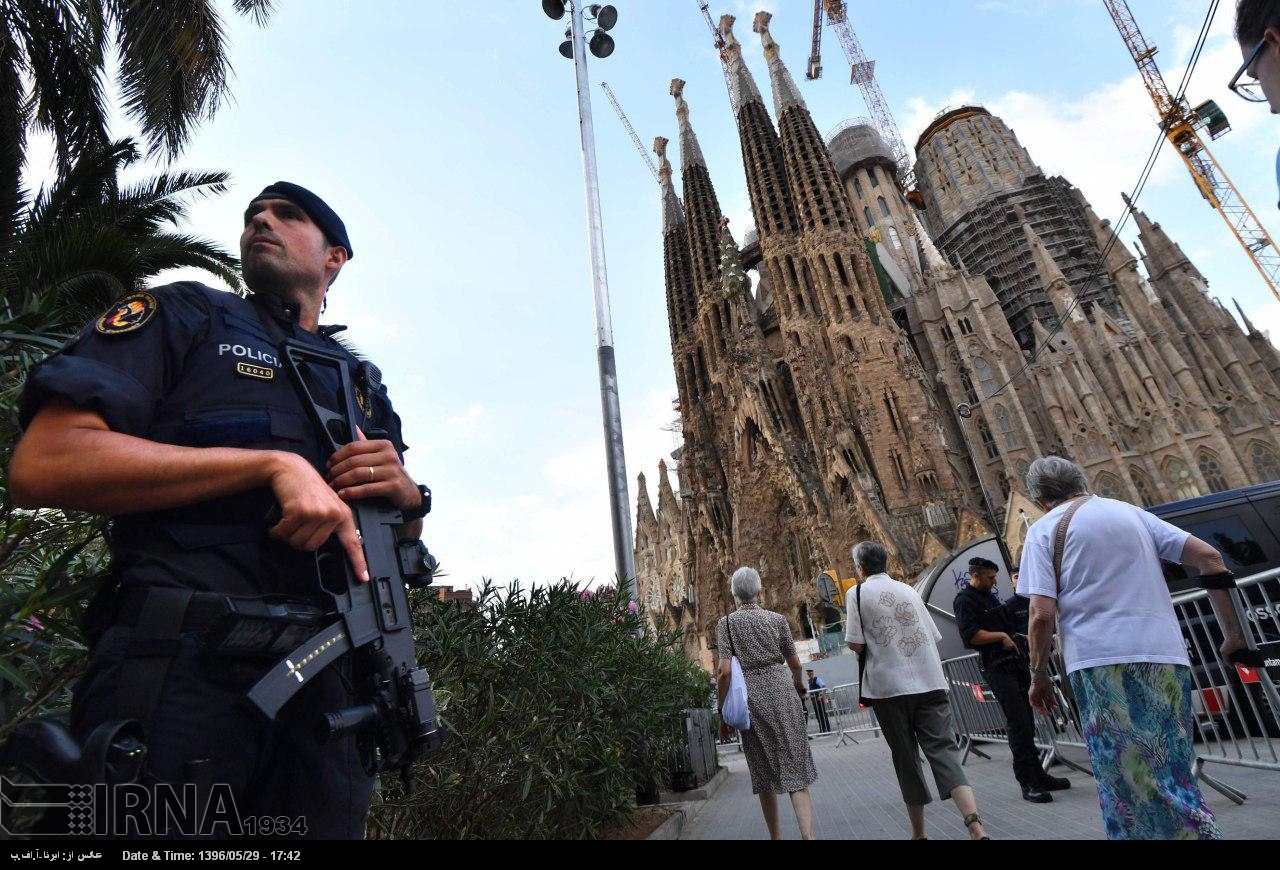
(172, 415)
(988, 626)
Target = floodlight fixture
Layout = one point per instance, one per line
(554, 9)
(601, 44)
(606, 17)
(566, 49)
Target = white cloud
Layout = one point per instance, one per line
(467, 420)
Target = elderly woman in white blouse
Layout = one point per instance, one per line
(776, 745)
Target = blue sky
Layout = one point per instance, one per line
(445, 135)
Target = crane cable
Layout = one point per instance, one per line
(1116, 229)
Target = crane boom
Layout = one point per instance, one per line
(1179, 124)
(631, 131)
(718, 40)
(815, 52)
(864, 76)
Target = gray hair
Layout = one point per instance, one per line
(871, 557)
(745, 585)
(1052, 479)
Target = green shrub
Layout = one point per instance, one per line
(556, 707)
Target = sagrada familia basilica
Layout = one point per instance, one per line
(893, 372)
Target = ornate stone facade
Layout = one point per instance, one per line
(819, 408)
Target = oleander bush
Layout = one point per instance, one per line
(556, 707)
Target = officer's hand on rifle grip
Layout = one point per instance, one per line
(372, 469)
(311, 512)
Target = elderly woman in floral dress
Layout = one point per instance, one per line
(776, 744)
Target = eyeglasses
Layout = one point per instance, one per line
(1245, 85)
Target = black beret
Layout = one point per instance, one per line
(979, 562)
(316, 208)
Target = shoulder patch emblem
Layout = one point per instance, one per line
(130, 313)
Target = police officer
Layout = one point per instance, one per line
(172, 415)
(986, 625)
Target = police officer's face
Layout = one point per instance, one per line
(281, 248)
(985, 577)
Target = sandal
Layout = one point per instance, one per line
(972, 819)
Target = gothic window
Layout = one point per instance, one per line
(988, 443)
(871, 221)
(969, 395)
(857, 186)
(1211, 468)
(1002, 481)
(1179, 479)
(884, 205)
(1108, 485)
(1266, 465)
(1143, 485)
(1005, 425)
(894, 238)
(875, 181)
(985, 376)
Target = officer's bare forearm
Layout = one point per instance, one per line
(982, 636)
(70, 459)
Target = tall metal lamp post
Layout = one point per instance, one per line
(575, 46)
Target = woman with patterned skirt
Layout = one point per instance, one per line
(1092, 566)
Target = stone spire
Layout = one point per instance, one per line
(934, 262)
(702, 208)
(742, 84)
(1163, 254)
(1248, 324)
(666, 495)
(771, 202)
(690, 150)
(785, 93)
(1055, 283)
(821, 202)
(644, 508)
(672, 211)
(682, 307)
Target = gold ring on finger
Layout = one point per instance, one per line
(371, 472)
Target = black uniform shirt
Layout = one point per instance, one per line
(980, 611)
(189, 365)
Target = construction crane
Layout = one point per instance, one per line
(718, 39)
(864, 76)
(631, 131)
(1181, 125)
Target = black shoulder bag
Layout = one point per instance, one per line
(862, 653)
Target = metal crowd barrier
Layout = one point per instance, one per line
(1236, 709)
(845, 716)
(980, 719)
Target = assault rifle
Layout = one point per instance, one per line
(394, 721)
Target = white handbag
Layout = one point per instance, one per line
(734, 712)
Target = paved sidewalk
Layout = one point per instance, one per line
(856, 797)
